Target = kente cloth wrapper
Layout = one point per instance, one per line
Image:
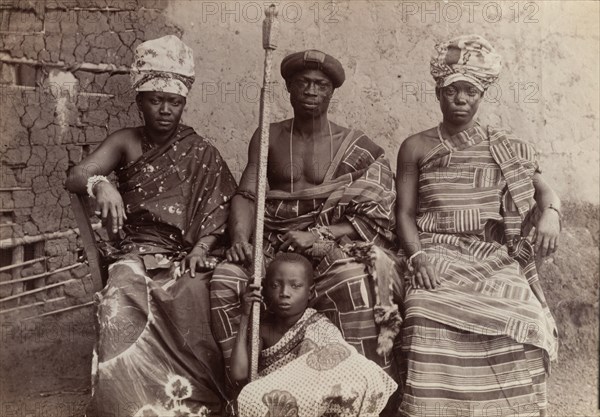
(358, 187)
(154, 331)
(312, 371)
(165, 64)
(174, 195)
(486, 333)
(313, 59)
(453, 372)
(357, 285)
(465, 58)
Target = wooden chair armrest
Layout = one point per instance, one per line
(81, 211)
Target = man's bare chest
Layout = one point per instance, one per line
(301, 161)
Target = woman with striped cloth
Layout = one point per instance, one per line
(478, 335)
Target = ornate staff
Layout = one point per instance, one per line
(270, 26)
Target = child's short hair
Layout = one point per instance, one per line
(291, 257)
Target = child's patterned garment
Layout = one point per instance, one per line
(312, 371)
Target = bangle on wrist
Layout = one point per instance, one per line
(551, 207)
(202, 245)
(326, 231)
(93, 181)
(322, 232)
(315, 231)
(412, 257)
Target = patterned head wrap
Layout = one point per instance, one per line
(165, 64)
(465, 58)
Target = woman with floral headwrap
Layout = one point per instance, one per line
(478, 335)
(155, 353)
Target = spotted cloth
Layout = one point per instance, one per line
(175, 194)
(475, 200)
(153, 330)
(312, 371)
(357, 286)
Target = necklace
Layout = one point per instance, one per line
(291, 152)
(439, 132)
(146, 144)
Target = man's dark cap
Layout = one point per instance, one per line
(313, 59)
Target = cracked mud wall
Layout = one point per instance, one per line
(64, 85)
(52, 115)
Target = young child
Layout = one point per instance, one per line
(305, 365)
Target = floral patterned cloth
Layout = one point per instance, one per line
(465, 58)
(177, 389)
(155, 353)
(312, 371)
(165, 64)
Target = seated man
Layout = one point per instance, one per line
(155, 349)
(478, 333)
(327, 186)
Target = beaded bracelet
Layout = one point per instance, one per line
(326, 231)
(315, 231)
(322, 233)
(202, 245)
(93, 181)
(412, 257)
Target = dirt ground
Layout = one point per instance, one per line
(45, 364)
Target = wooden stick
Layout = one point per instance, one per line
(26, 240)
(38, 303)
(18, 255)
(39, 249)
(47, 287)
(6, 268)
(270, 26)
(62, 310)
(71, 392)
(45, 274)
(82, 66)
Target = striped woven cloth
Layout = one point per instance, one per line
(486, 335)
(354, 290)
(358, 187)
